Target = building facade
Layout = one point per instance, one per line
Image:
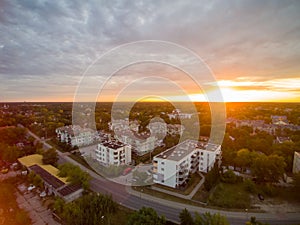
(75, 135)
(296, 162)
(140, 143)
(113, 153)
(173, 166)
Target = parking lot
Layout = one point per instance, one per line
(33, 204)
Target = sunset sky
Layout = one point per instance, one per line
(252, 48)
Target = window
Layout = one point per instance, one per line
(162, 169)
(162, 163)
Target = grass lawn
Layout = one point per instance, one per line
(158, 194)
(81, 160)
(195, 179)
(10, 213)
(121, 216)
(230, 196)
(50, 142)
(201, 195)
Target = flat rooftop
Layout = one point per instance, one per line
(185, 148)
(112, 144)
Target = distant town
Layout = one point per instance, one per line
(52, 164)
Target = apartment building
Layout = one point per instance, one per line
(113, 153)
(177, 114)
(296, 162)
(124, 124)
(75, 135)
(173, 166)
(140, 143)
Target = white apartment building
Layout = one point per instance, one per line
(113, 153)
(173, 166)
(177, 114)
(296, 162)
(75, 135)
(140, 143)
(124, 125)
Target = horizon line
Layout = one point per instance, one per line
(145, 102)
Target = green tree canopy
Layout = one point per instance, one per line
(212, 177)
(186, 217)
(146, 216)
(75, 174)
(50, 156)
(268, 168)
(92, 209)
(210, 219)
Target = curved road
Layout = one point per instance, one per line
(170, 210)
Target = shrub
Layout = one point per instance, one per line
(230, 177)
(269, 190)
(250, 186)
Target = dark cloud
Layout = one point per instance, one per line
(57, 40)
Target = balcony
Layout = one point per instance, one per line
(182, 175)
(184, 171)
(195, 165)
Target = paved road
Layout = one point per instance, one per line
(171, 210)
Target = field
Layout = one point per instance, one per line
(230, 196)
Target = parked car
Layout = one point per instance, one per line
(261, 197)
(31, 187)
(127, 171)
(43, 194)
(4, 170)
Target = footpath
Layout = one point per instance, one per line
(189, 196)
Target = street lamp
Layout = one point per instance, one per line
(246, 213)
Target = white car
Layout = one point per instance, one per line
(31, 187)
(43, 194)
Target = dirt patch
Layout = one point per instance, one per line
(277, 206)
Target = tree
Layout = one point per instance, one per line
(268, 168)
(35, 179)
(212, 177)
(210, 219)
(75, 174)
(186, 217)
(50, 156)
(230, 177)
(146, 216)
(253, 221)
(92, 209)
(243, 158)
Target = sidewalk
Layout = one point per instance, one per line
(188, 197)
(232, 214)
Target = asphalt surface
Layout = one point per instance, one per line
(170, 210)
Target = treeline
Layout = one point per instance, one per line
(14, 143)
(95, 208)
(259, 145)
